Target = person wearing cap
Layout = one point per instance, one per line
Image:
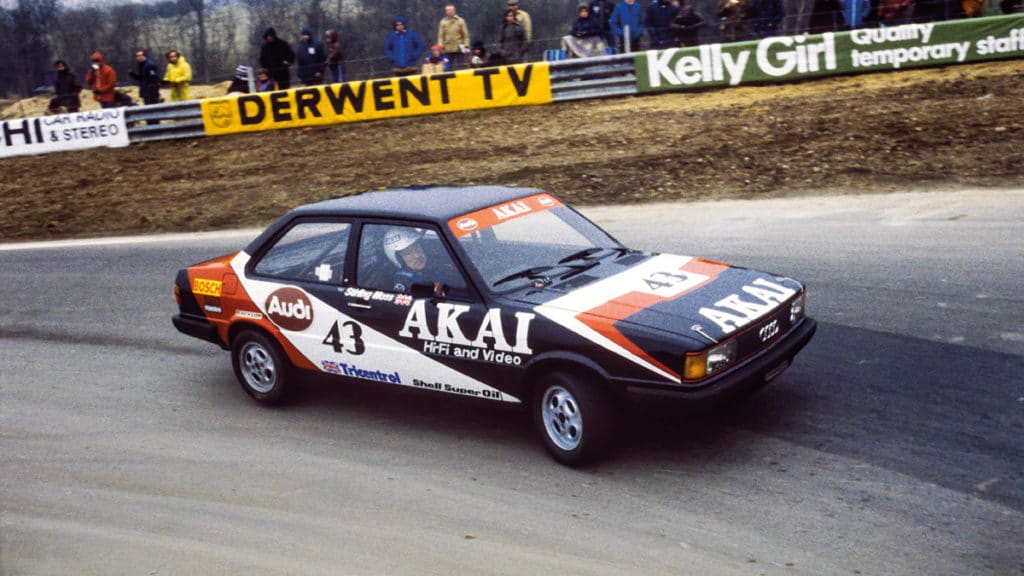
(403, 48)
(148, 77)
(453, 36)
(103, 81)
(240, 83)
(310, 59)
(436, 61)
(178, 75)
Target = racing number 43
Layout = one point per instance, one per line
(346, 337)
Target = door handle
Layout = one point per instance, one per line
(359, 305)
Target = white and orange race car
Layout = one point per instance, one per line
(501, 294)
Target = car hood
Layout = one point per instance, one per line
(694, 298)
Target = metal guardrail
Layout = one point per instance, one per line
(574, 79)
(597, 77)
(164, 121)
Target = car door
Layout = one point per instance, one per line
(444, 340)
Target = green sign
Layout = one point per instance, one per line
(788, 58)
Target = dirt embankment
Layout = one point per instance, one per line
(946, 127)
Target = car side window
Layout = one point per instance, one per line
(308, 252)
(392, 258)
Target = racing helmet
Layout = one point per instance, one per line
(399, 238)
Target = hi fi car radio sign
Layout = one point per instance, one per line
(61, 132)
(518, 85)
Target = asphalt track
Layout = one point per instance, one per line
(894, 445)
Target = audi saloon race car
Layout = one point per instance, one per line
(501, 294)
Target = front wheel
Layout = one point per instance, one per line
(575, 419)
(260, 366)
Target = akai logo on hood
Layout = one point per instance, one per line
(594, 311)
(290, 309)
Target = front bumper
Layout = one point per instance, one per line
(752, 373)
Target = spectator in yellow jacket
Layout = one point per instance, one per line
(178, 75)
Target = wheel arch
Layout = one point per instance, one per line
(571, 363)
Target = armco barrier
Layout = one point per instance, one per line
(599, 77)
(177, 120)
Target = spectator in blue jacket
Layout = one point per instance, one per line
(403, 49)
(310, 59)
(586, 38)
(660, 15)
(627, 13)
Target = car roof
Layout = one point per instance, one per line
(439, 203)
(433, 203)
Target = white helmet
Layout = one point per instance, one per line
(397, 239)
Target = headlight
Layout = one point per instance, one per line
(710, 361)
(796, 309)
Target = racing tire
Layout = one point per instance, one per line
(260, 366)
(575, 419)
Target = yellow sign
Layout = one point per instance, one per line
(206, 287)
(518, 85)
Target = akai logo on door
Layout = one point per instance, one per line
(290, 309)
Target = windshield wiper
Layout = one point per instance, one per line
(582, 254)
(527, 273)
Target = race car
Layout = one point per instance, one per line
(501, 294)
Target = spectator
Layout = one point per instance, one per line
(1011, 6)
(403, 49)
(240, 83)
(310, 59)
(973, 8)
(855, 12)
(264, 82)
(66, 89)
(826, 16)
(894, 12)
(686, 26)
(276, 56)
(602, 10)
(479, 57)
(627, 14)
(939, 10)
(335, 56)
(734, 20)
(524, 20)
(103, 81)
(512, 39)
(437, 61)
(585, 39)
(178, 75)
(148, 77)
(766, 17)
(660, 14)
(453, 35)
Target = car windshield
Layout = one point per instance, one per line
(535, 238)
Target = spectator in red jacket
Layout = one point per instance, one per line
(103, 81)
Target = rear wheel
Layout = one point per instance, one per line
(574, 418)
(260, 366)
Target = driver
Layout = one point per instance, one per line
(402, 247)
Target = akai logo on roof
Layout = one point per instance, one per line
(511, 210)
(290, 309)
